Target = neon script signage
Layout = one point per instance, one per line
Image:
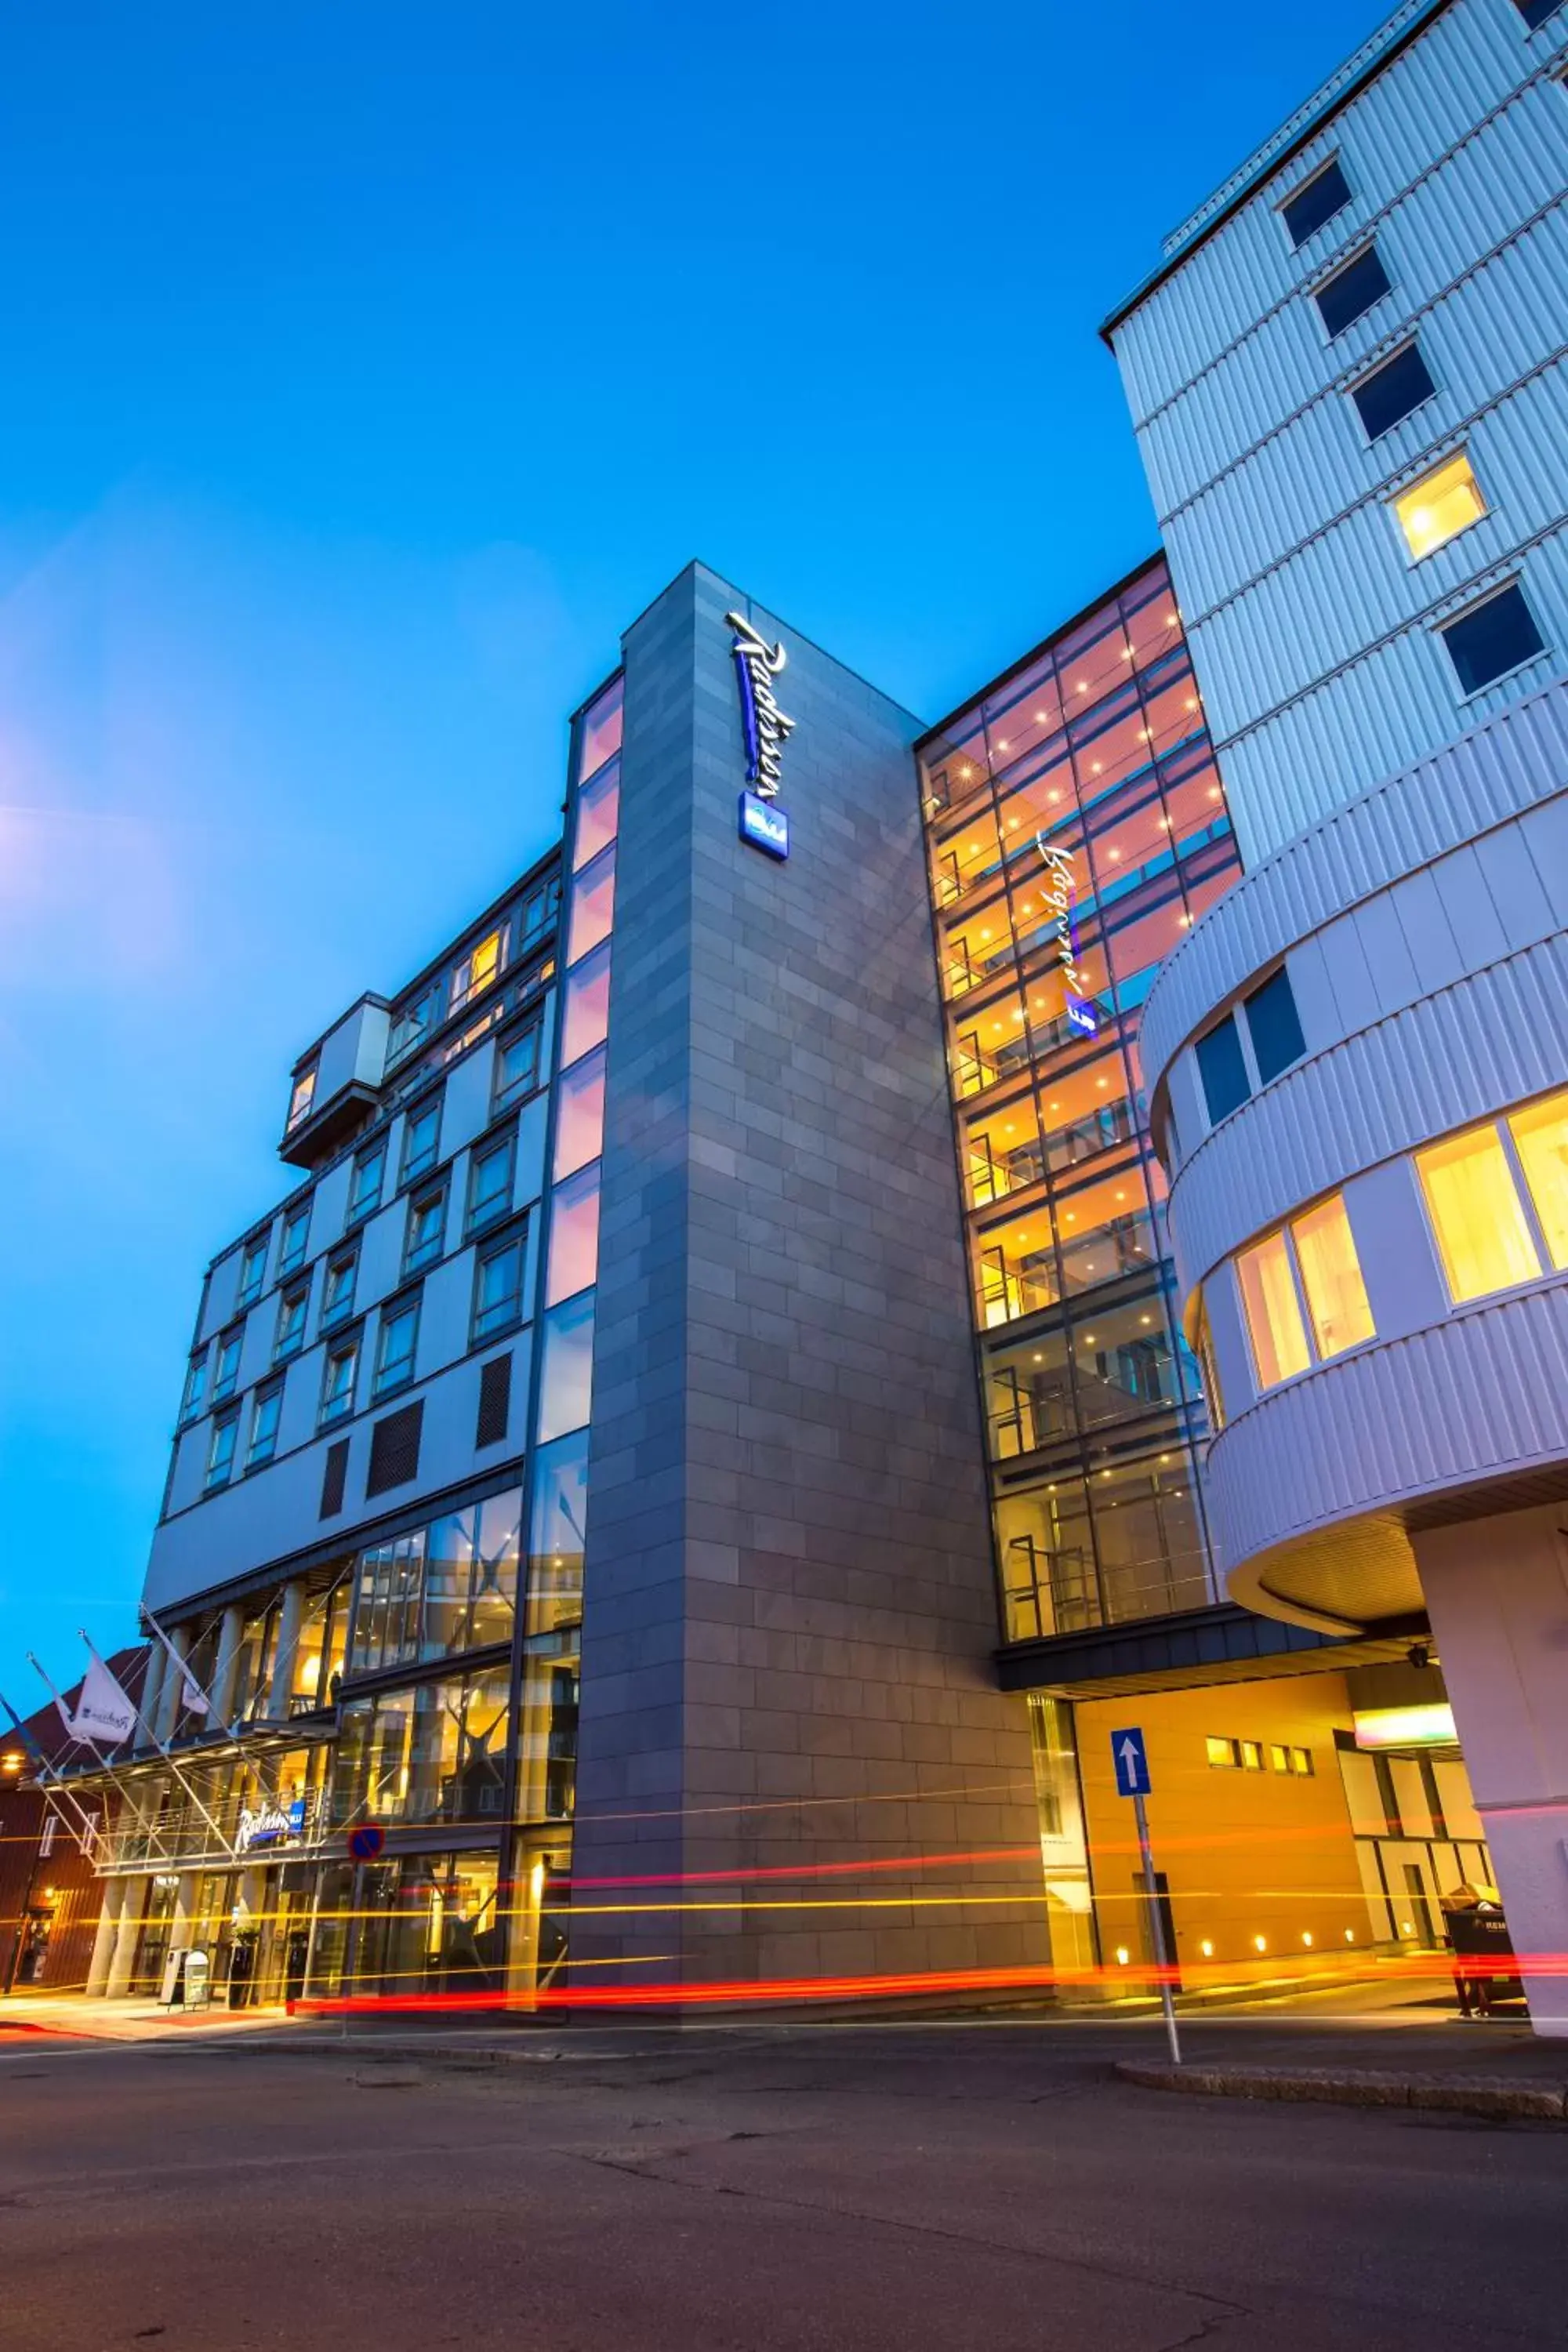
(1060, 890)
(766, 725)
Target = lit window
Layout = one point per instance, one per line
(252, 1266)
(1302, 1762)
(427, 1224)
(1251, 1756)
(364, 1193)
(1222, 1067)
(1492, 638)
(1540, 1138)
(1274, 1324)
(1343, 298)
(290, 1323)
(1477, 1216)
(1393, 391)
(478, 968)
(517, 1067)
(338, 1298)
(497, 1286)
(264, 1418)
(1325, 194)
(1331, 1277)
(338, 1380)
(220, 1451)
(489, 1181)
(1439, 506)
(422, 1137)
(300, 1101)
(1280, 1758)
(395, 1347)
(1223, 1754)
(295, 1233)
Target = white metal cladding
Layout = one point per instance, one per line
(1455, 74)
(1482, 1394)
(1511, 762)
(1492, 1039)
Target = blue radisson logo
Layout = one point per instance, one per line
(765, 728)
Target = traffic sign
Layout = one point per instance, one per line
(1130, 1760)
(366, 1842)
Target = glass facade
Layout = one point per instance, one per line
(1076, 827)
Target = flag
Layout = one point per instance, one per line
(193, 1697)
(102, 1710)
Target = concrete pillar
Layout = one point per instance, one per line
(104, 1941)
(227, 1679)
(1496, 1593)
(291, 1617)
(184, 1912)
(170, 1688)
(126, 1930)
(152, 1697)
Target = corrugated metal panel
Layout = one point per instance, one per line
(1490, 1040)
(1456, 74)
(1482, 1394)
(1511, 762)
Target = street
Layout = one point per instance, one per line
(968, 2186)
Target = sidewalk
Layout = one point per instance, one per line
(78, 2018)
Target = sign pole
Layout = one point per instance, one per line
(1166, 1960)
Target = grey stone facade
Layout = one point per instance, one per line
(789, 1617)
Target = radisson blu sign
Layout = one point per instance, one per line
(764, 727)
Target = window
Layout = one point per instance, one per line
(602, 728)
(1202, 1348)
(413, 1023)
(1224, 1755)
(580, 1115)
(1274, 1324)
(1439, 506)
(370, 1172)
(338, 1379)
(426, 1223)
(566, 1368)
(1325, 194)
(490, 1181)
(300, 1101)
(422, 1137)
(220, 1451)
(265, 1413)
(593, 905)
(1274, 1027)
(1540, 1139)
(1492, 639)
(338, 1298)
(478, 968)
(395, 1349)
(1392, 391)
(196, 1385)
(585, 1013)
(517, 1067)
(573, 1236)
(598, 814)
(252, 1268)
(1536, 12)
(1301, 1763)
(1280, 1759)
(497, 1286)
(1222, 1067)
(291, 1322)
(1477, 1216)
(228, 1367)
(1331, 1277)
(1251, 1755)
(295, 1233)
(1342, 298)
(537, 913)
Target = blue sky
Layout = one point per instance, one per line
(367, 370)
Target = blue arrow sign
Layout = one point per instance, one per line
(1132, 1762)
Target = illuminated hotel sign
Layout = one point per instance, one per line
(1406, 1727)
(270, 1824)
(1060, 889)
(765, 728)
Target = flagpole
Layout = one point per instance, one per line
(162, 1746)
(181, 1667)
(105, 1763)
(87, 1823)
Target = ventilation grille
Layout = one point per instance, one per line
(394, 1450)
(495, 1400)
(334, 1477)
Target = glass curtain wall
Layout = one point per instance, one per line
(1076, 828)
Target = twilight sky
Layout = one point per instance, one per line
(368, 369)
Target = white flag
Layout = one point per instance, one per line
(102, 1710)
(193, 1697)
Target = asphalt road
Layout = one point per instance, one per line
(981, 2188)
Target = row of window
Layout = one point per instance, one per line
(1497, 1202)
(1247, 1755)
(497, 1309)
(479, 965)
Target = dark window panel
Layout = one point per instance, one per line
(1318, 202)
(394, 1450)
(334, 1478)
(1393, 391)
(495, 1400)
(1492, 639)
(1352, 291)
(1274, 1025)
(1223, 1070)
(1536, 12)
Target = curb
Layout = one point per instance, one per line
(1483, 2095)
